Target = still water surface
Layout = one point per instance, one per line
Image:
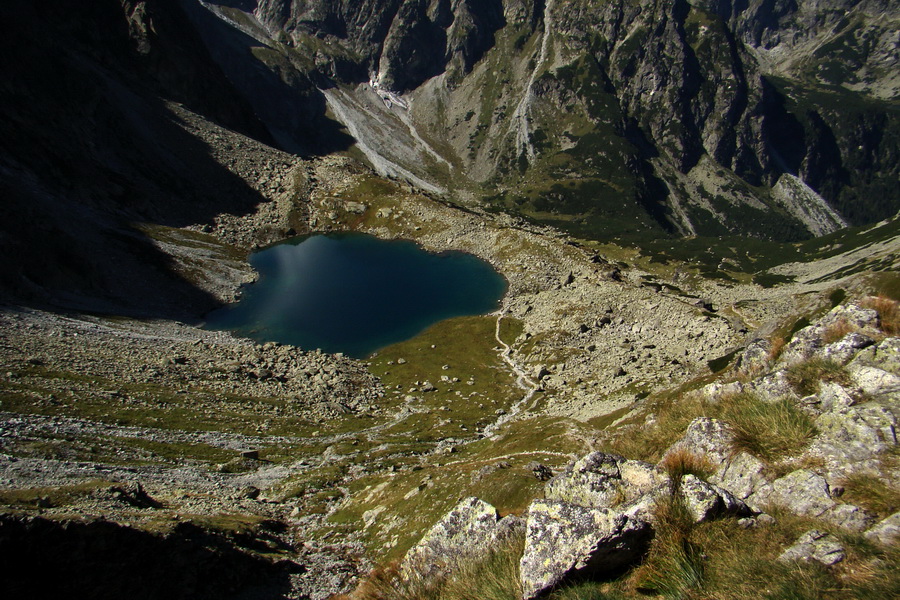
(354, 293)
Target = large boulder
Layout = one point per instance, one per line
(470, 528)
(808, 494)
(804, 492)
(755, 358)
(851, 438)
(563, 541)
(743, 475)
(706, 437)
(845, 349)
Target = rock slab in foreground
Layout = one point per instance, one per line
(564, 540)
(471, 527)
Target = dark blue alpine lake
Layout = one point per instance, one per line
(354, 293)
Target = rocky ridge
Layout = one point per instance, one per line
(597, 513)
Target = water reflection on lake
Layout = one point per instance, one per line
(354, 293)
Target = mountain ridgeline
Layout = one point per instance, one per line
(768, 118)
(629, 119)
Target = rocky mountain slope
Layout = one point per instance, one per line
(631, 120)
(691, 117)
(799, 432)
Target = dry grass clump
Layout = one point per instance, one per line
(673, 415)
(805, 376)
(492, 575)
(768, 430)
(870, 490)
(674, 565)
(837, 331)
(888, 311)
(776, 346)
(682, 461)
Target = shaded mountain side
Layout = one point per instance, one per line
(91, 143)
(101, 559)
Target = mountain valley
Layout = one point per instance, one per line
(665, 186)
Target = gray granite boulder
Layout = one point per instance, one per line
(706, 501)
(564, 540)
(803, 492)
(600, 480)
(755, 358)
(850, 436)
(471, 527)
(886, 532)
(815, 545)
(707, 437)
(845, 349)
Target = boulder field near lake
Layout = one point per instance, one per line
(689, 388)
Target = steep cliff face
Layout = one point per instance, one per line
(618, 116)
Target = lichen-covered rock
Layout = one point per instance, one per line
(885, 356)
(886, 532)
(743, 475)
(755, 358)
(563, 540)
(849, 517)
(845, 349)
(803, 492)
(714, 392)
(773, 386)
(851, 314)
(833, 396)
(469, 528)
(802, 346)
(852, 435)
(707, 437)
(815, 545)
(601, 480)
(875, 381)
(706, 501)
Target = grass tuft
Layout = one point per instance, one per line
(776, 346)
(768, 430)
(682, 462)
(888, 312)
(673, 567)
(837, 331)
(870, 490)
(805, 376)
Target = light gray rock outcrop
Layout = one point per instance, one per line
(804, 492)
(773, 386)
(886, 532)
(815, 545)
(744, 475)
(755, 358)
(843, 350)
(851, 436)
(565, 540)
(706, 437)
(706, 501)
(600, 480)
(471, 527)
